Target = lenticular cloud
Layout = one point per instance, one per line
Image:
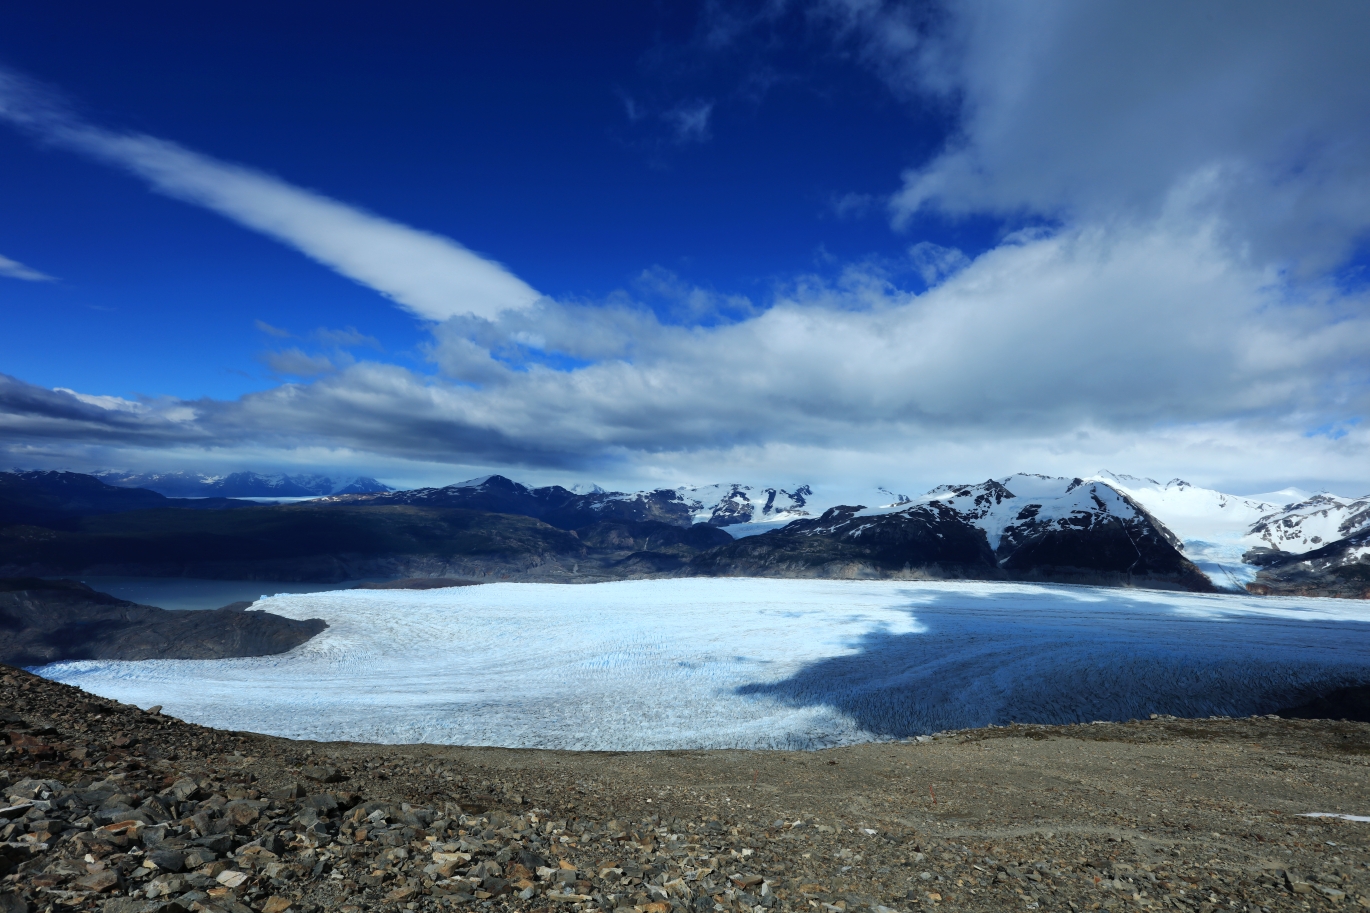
(717, 663)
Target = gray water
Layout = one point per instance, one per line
(186, 593)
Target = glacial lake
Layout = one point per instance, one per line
(187, 593)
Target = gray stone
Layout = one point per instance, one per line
(323, 774)
(168, 860)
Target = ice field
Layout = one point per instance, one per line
(750, 663)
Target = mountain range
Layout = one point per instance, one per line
(183, 484)
(568, 508)
(1107, 529)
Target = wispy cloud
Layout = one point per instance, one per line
(270, 330)
(852, 205)
(296, 363)
(13, 269)
(345, 338)
(430, 275)
(690, 121)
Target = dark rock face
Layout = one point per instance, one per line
(1339, 569)
(661, 506)
(44, 621)
(924, 541)
(649, 535)
(735, 508)
(1098, 543)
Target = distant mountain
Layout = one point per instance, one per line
(564, 508)
(731, 505)
(56, 499)
(1312, 523)
(239, 484)
(1340, 568)
(1230, 537)
(361, 485)
(1109, 529)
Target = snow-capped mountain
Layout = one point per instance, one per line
(1192, 513)
(1311, 523)
(1213, 528)
(730, 505)
(1218, 530)
(583, 505)
(183, 484)
(1017, 527)
(1223, 535)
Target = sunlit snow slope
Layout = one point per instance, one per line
(1217, 529)
(750, 663)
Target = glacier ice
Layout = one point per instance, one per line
(748, 663)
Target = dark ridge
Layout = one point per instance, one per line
(47, 621)
(59, 500)
(416, 583)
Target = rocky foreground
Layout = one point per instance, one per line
(113, 808)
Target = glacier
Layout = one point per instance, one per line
(749, 663)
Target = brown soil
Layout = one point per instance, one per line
(1195, 815)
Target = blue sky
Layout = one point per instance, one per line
(550, 138)
(845, 241)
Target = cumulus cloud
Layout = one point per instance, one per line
(13, 269)
(935, 262)
(1050, 344)
(1258, 113)
(429, 275)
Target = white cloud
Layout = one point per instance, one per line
(935, 262)
(111, 403)
(13, 269)
(431, 276)
(1258, 113)
(1141, 349)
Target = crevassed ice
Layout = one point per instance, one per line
(749, 663)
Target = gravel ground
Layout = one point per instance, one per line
(110, 807)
